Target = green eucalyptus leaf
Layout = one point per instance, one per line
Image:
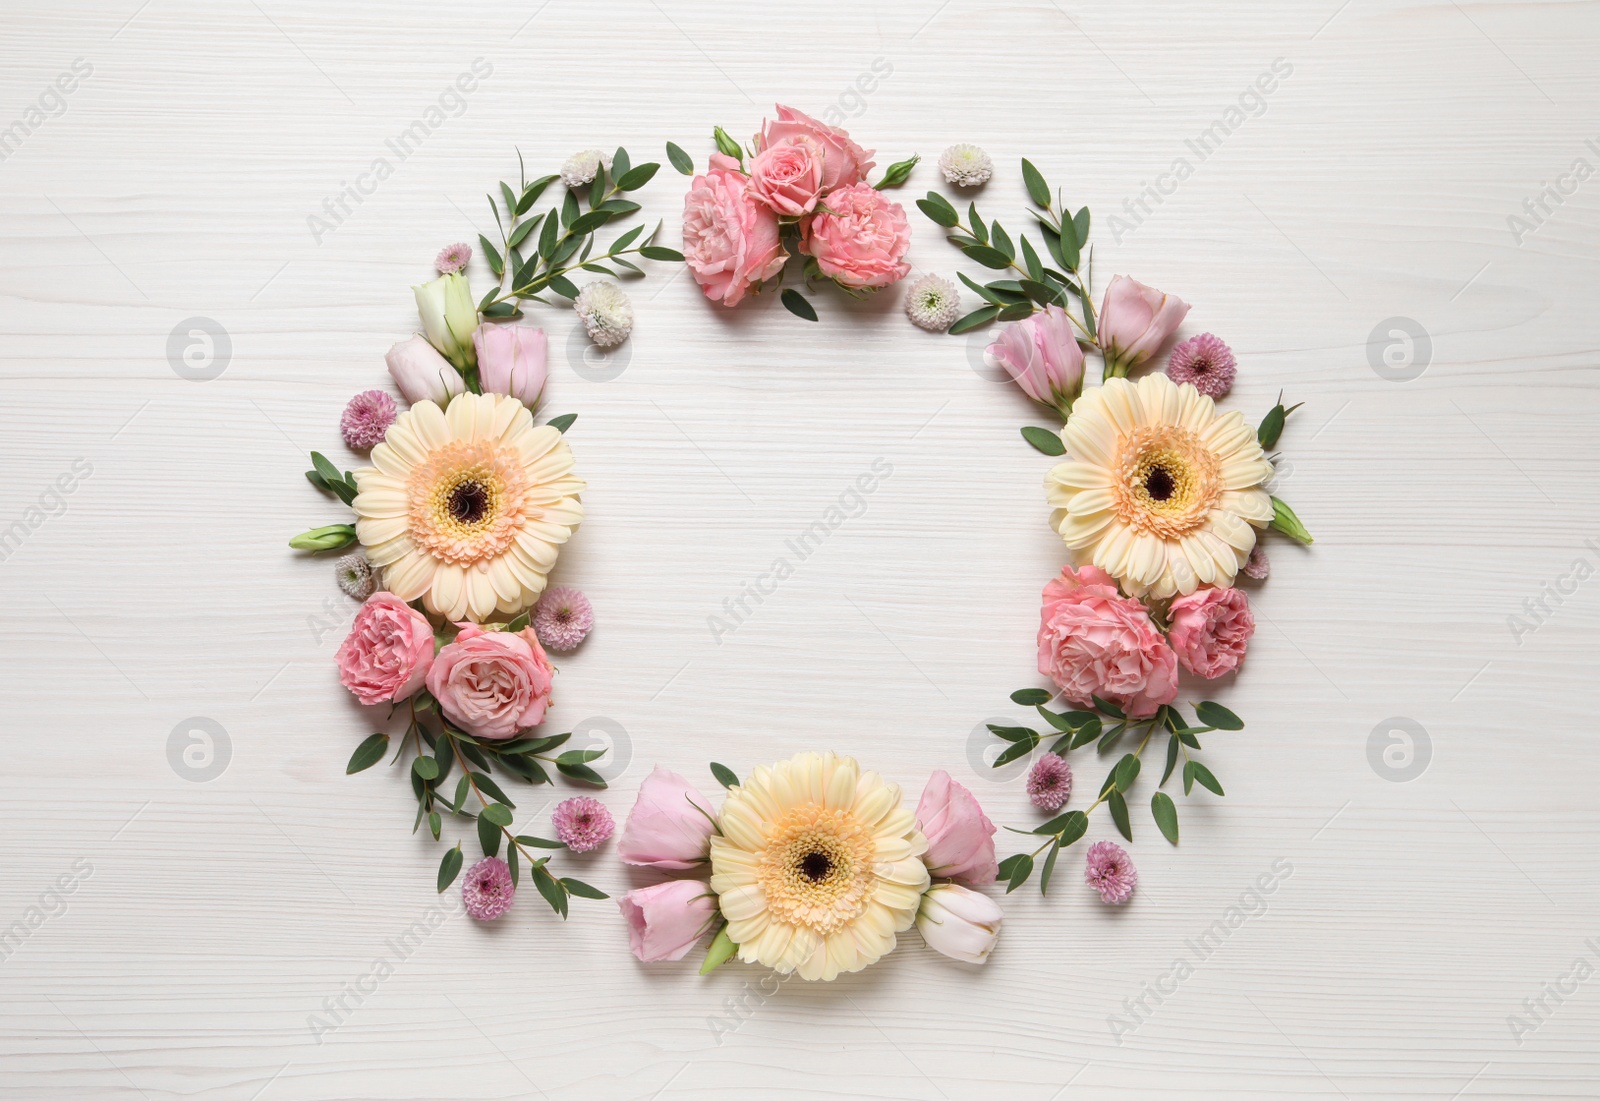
(449, 867)
(581, 889)
(1202, 774)
(1031, 697)
(725, 775)
(1049, 867)
(680, 160)
(938, 208)
(1165, 812)
(563, 422)
(1038, 190)
(367, 754)
(488, 836)
(1214, 714)
(1044, 440)
(797, 304)
(1020, 871)
(660, 252)
(981, 316)
(1119, 814)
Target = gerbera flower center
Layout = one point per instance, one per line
(1158, 483)
(468, 501)
(816, 866)
(1169, 480)
(816, 869)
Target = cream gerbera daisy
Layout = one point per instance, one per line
(466, 507)
(817, 867)
(1160, 491)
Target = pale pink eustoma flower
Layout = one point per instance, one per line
(670, 825)
(1042, 356)
(421, 373)
(664, 921)
(1135, 320)
(512, 361)
(959, 923)
(960, 836)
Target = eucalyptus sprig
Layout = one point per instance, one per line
(562, 237)
(1104, 726)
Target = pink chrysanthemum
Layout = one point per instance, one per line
(582, 823)
(1258, 567)
(452, 258)
(1049, 782)
(366, 419)
(1205, 362)
(487, 889)
(562, 618)
(1109, 871)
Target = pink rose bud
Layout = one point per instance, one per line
(730, 241)
(843, 161)
(1210, 630)
(664, 921)
(1042, 356)
(960, 836)
(511, 361)
(422, 373)
(670, 825)
(1134, 321)
(1093, 641)
(959, 923)
(787, 176)
(860, 240)
(388, 652)
(492, 683)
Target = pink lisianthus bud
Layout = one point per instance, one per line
(664, 921)
(421, 373)
(960, 836)
(670, 825)
(1042, 356)
(959, 923)
(1134, 322)
(512, 361)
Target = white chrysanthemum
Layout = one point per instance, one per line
(467, 508)
(966, 165)
(1159, 491)
(817, 866)
(606, 312)
(355, 576)
(933, 303)
(582, 167)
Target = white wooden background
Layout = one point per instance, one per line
(211, 919)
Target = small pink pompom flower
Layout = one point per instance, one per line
(487, 889)
(582, 823)
(1259, 567)
(562, 618)
(1109, 871)
(1050, 782)
(366, 419)
(452, 258)
(1205, 362)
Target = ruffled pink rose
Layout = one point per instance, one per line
(512, 361)
(860, 239)
(388, 651)
(492, 683)
(1042, 356)
(787, 176)
(1210, 630)
(664, 921)
(669, 825)
(960, 836)
(1095, 642)
(730, 241)
(1134, 321)
(843, 161)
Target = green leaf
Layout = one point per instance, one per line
(1015, 311)
(509, 196)
(981, 316)
(581, 889)
(1284, 520)
(582, 773)
(492, 254)
(1088, 733)
(1031, 261)
(1126, 772)
(1074, 827)
(1172, 758)
(637, 176)
(1060, 722)
(563, 422)
(1070, 251)
(721, 951)
(1002, 242)
(434, 822)
(552, 890)
(1049, 867)
(488, 836)
(620, 163)
(1110, 737)
(511, 864)
(580, 756)
(518, 625)
(426, 767)
(680, 160)
(538, 842)
(1031, 697)
(625, 240)
(588, 223)
(462, 787)
(1119, 814)
(569, 208)
(520, 234)
(1271, 426)
(1108, 708)
(980, 228)
(1017, 749)
(1201, 773)
(1044, 293)
(988, 257)
(547, 239)
(1038, 190)
(485, 783)
(660, 252)
(367, 754)
(316, 479)
(498, 813)
(534, 745)
(1080, 226)
(938, 208)
(725, 775)
(449, 867)
(618, 207)
(531, 193)
(1044, 440)
(1013, 733)
(897, 173)
(1214, 714)
(327, 470)
(1165, 812)
(797, 304)
(1020, 871)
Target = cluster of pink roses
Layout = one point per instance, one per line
(491, 684)
(804, 173)
(1093, 641)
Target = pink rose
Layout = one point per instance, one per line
(1210, 630)
(787, 176)
(1134, 321)
(843, 161)
(664, 921)
(1095, 642)
(511, 361)
(860, 239)
(1042, 356)
(492, 683)
(730, 241)
(387, 653)
(960, 836)
(670, 825)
